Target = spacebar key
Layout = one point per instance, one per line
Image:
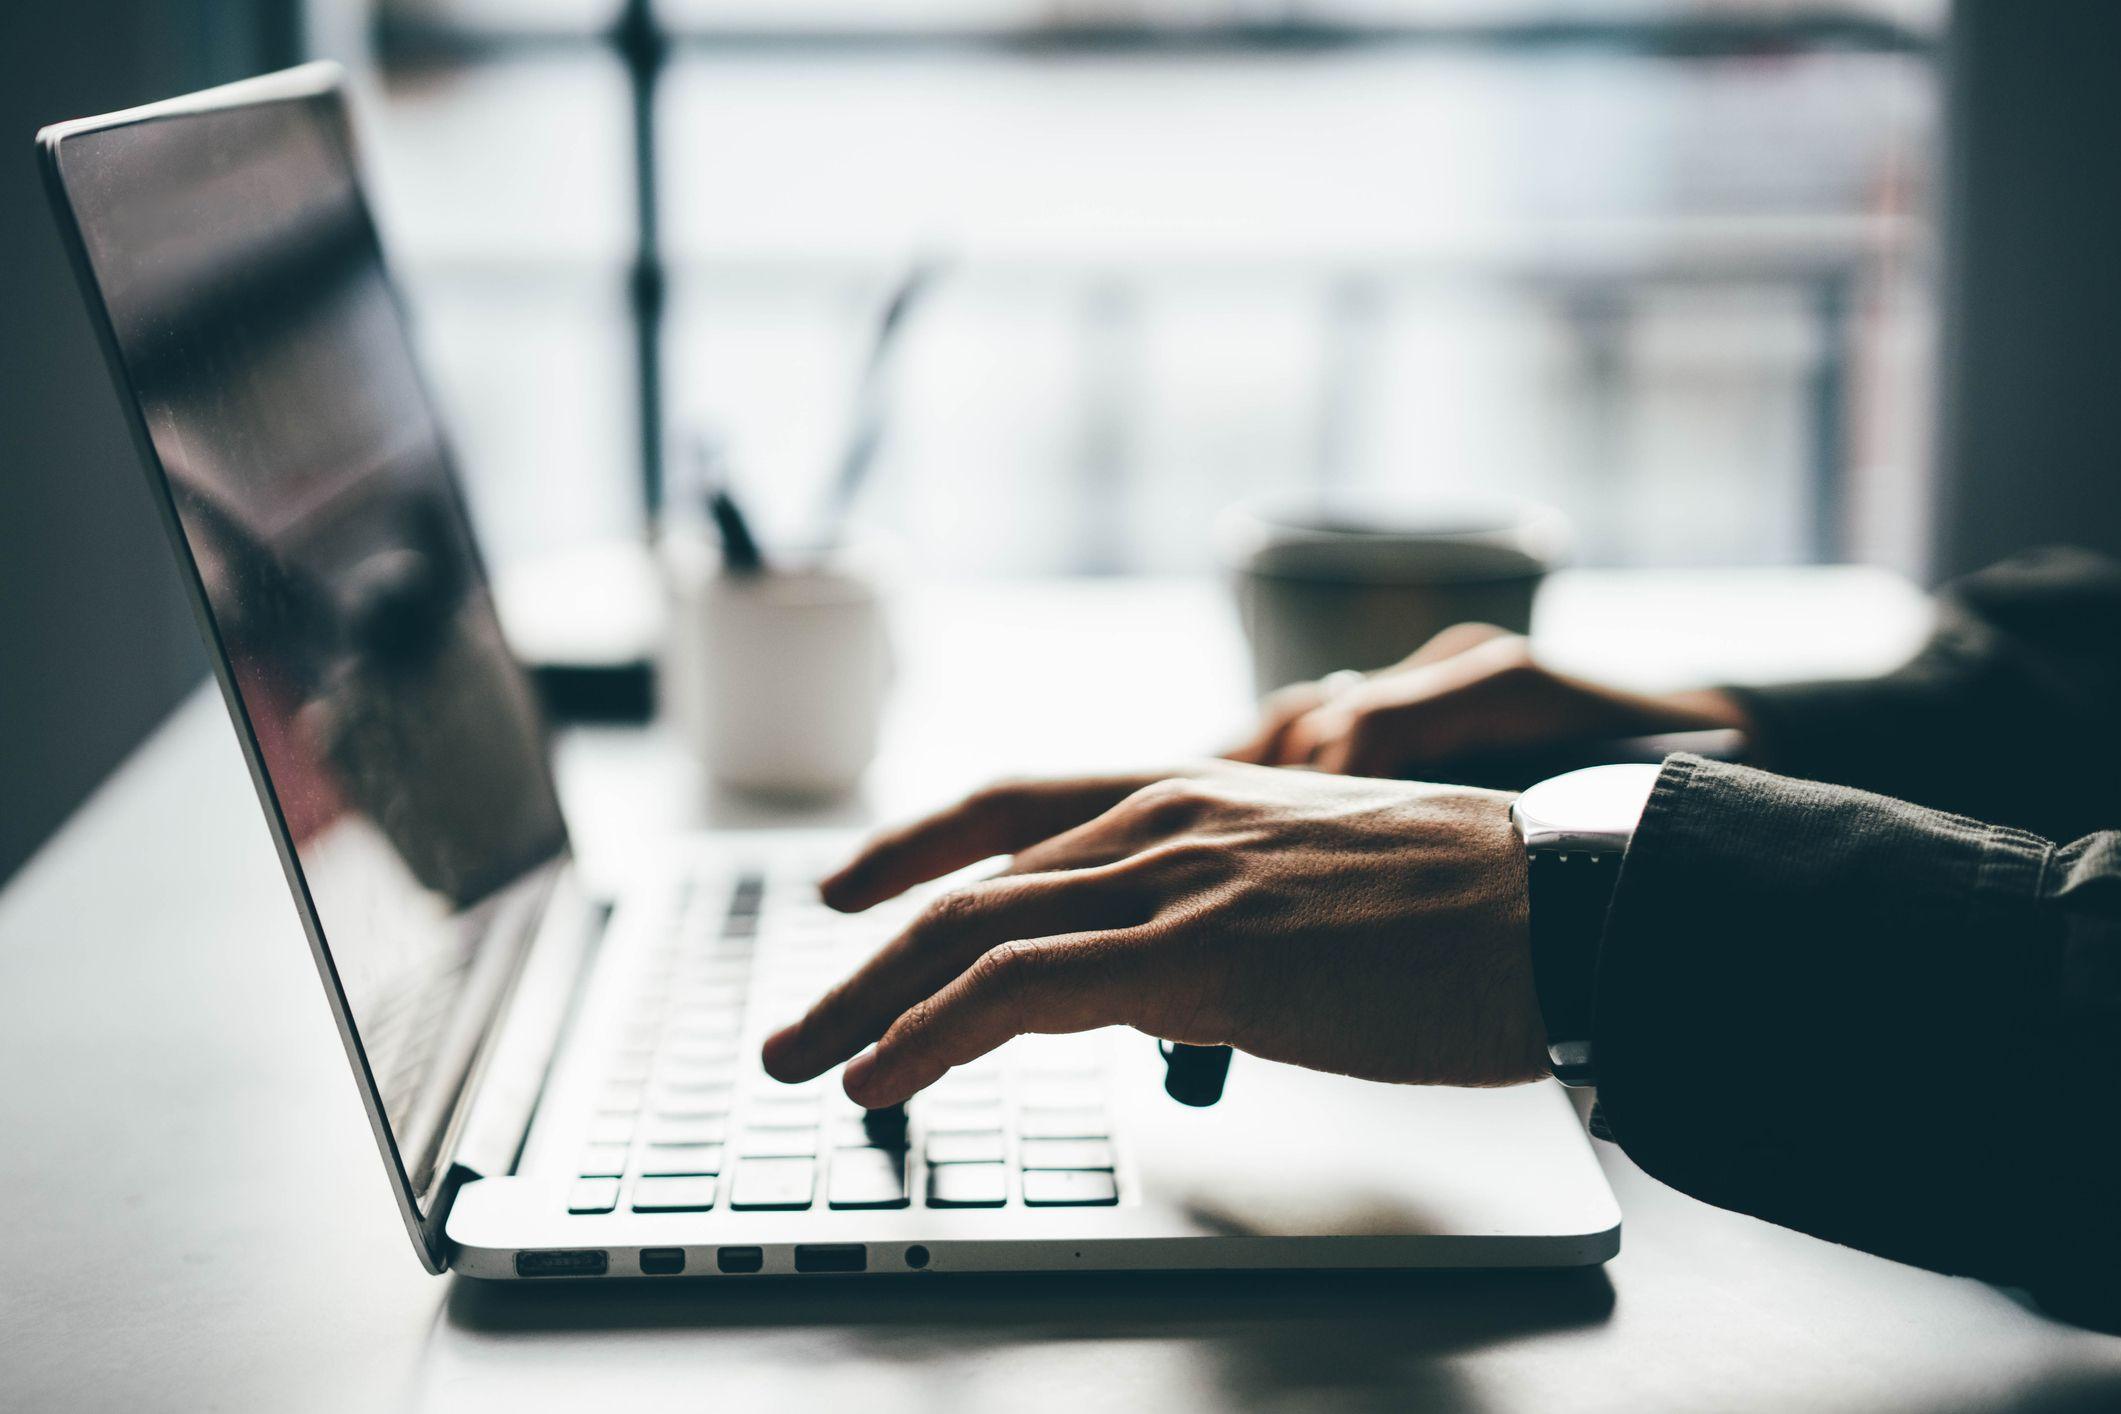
(773, 1184)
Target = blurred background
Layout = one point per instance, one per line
(1729, 281)
(1667, 265)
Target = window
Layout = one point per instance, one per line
(1664, 264)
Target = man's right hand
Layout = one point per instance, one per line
(1473, 689)
(1371, 928)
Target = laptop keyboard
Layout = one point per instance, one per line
(686, 1121)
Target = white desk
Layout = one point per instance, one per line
(194, 1214)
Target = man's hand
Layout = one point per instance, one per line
(1367, 927)
(1471, 689)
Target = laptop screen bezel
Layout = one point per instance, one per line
(321, 85)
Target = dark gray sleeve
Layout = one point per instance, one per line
(1885, 1025)
(2008, 714)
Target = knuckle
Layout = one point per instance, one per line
(1191, 860)
(1000, 794)
(1168, 806)
(1169, 788)
(915, 1023)
(1004, 967)
(1291, 701)
(1511, 656)
(950, 911)
(999, 979)
(1475, 631)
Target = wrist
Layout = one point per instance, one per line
(1523, 1036)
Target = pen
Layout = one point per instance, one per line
(740, 549)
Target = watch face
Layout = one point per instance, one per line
(1593, 809)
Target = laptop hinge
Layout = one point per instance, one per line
(509, 1084)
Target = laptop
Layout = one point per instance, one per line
(565, 1086)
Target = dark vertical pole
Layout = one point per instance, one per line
(1828, 472)
(1597, 313)
(2029, 444)
(644, 48)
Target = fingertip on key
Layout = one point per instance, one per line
(778, 1054)
(839, 892)
(859, 1078)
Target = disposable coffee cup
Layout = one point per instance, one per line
(1351, 580)
(779, 677)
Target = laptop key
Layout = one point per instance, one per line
(711, 1129)
(692, 1080)
(886, 1126)
(701, 1054)
(593, 1195)
(1069, 1188)
(675, 1160)
(1073, 1123)
(852, 1132)
(611, 1129)
(604, 1161)
(771, 1142)
(705, 1031)
(969, 1148)
(773, 1184)
(959, 1119)
(1059, 1095)
(867, 1178)
(968, 1186)
(691, 1194)
(783, 1113)
(1063, 1154)
(984, 1087)
(621, 1099)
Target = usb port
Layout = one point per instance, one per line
(583, 1263)
(832, 1257)
(740, 1259)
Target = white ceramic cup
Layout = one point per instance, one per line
(779, 678)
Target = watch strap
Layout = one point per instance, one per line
(1568, 894)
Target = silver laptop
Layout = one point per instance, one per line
(568, 1087)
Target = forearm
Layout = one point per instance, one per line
(1872, 1022)
(2026, 659)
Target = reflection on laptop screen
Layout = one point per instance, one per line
(264, 345)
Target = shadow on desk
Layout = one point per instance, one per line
(1263, 1339)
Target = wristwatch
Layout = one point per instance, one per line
(1575, 828)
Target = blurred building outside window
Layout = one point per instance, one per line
(1667, 265)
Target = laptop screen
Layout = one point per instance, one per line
(399, 744)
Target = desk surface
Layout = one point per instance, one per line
(195, 1216)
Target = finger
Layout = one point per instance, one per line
(1457, 639)
(1155, 814)
(1001, 819)
(1058, 984)
(1280, 709)
(1311, 735)
(1361, 750)
(948, 936)
(1094, 844)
